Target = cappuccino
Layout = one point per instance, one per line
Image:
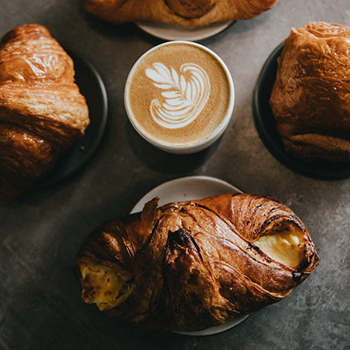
(179, 96)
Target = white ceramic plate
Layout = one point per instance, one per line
(169, 32)
(191, 188)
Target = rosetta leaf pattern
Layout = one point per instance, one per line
(181, 98)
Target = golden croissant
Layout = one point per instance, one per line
(191, 265)
(42, 112)
(188, 14)
(310, 99)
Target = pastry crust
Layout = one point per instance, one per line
(310, 98)
(188, 14)
(190, 8)
(42, 112)
(192, 265)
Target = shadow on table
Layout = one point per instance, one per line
(164, 162)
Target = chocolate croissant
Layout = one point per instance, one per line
(192, 265)
(310, 99)
(42, 112)
(188, 14)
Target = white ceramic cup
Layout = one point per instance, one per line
(171, 113)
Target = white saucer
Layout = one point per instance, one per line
(191, 188)
(169, 32)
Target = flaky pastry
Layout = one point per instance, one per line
(42, 112)
(188, 14)
(192, 265)
(310, 99)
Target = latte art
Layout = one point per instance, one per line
(179, 96)
(183, 98)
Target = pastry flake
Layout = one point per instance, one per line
(187, 14)
(42, 112)
(310, 99)
(192, 265)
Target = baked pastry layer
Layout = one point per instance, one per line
(192, 265)
(42, 112)
(310, 99)
(188, 14)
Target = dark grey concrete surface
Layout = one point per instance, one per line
(40, 304)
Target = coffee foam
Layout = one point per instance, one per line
(184, 94)
(178, 94)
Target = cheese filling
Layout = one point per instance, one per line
(103, 286)
(284, 247)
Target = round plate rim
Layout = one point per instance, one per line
(164, 31)
(175, 183)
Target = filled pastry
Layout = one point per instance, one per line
(310, 99)
(191, 265)
(42, 112)
(188, 14)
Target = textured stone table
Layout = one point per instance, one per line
(40, 234)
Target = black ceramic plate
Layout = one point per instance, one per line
(91, 86)
(265, 125)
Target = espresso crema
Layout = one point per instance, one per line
(178, 93)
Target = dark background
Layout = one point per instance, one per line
(40, 304)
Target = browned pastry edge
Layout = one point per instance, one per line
(310, 99)
(123, 11)
(42, 112)
(190, 9)
(193, 265)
